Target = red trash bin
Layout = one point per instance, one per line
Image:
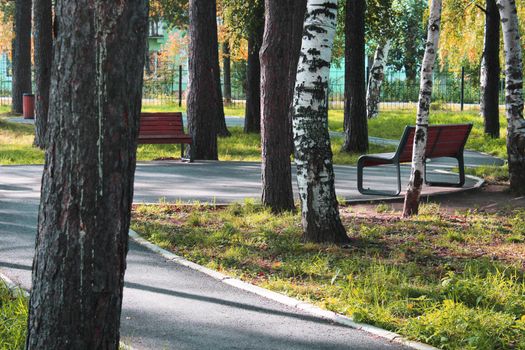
(28, 106)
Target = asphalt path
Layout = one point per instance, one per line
(166, 305)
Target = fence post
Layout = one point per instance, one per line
(462, 88)
(180, 85)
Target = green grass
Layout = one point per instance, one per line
(5, 109)
(454, 281)
(13, 319)
(16, 140)
(390, 125)
(232, 111)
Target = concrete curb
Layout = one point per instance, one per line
(280, 298)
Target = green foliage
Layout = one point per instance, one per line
(408, 276)
(13, 318)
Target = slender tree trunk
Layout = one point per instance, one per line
(375, 80)
(423, 109)
(21, 83)
(490, 71)
(355, 121)
(275, 58)
(222, 130)
(202, 99)
(87, 185)
(43, 39)
(313, 152)
(226, 64)
(299, 10)
(513, 95)
(252, 115)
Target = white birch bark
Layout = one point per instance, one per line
(513, 94)
(313, 154)
(423, 109)
(377, 75)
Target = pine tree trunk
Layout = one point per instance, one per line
(202, 99)
(299, 10)
(490, 71)
(87, 185)
(513, 95)
(313, 153)
(275, 58)
(252, 115)
(21, 83)
(222, 130)
(355, 120)
(43, 39)
(226, 64)
(376, 77)
(423, 109)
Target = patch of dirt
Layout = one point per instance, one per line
(490, 198)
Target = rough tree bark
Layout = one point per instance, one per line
(513, 95)
(423, 109)
(226, 64)
(252, 115)
(21, 82)
(87, 185)
(222, 130)
(313, 153)
(355, 121)
(275, 58)
(377, 75)
(490, 71)
(43, 56)
(202, 98)
(299, 10)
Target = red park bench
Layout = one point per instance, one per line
(443, 141)
(163, 128)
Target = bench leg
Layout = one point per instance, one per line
(182, 155)
(368, 191)
(461, 166)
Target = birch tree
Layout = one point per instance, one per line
(420, 140)
(377, 75)
(513, 95)
(313, 153)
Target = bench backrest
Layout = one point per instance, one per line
(168, 124)
(443, 141)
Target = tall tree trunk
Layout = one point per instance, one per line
(355, 121)
(513, 95)
(43, 39)
(313, 152)
(275, 58)
(423, 109)
(226, 64)
(252, 115)
(202, 99)
(21, 83)
(87, 185)
(375, 80)
(299, 10)
(222, 130)
(490, 71)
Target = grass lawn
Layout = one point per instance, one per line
(454, 281)
(13, 319)
(16, 140)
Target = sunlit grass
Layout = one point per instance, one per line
(13, 319)
(16, 140)
(452, 281)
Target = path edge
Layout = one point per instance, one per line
(281, 298)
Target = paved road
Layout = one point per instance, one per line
(168, 306)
